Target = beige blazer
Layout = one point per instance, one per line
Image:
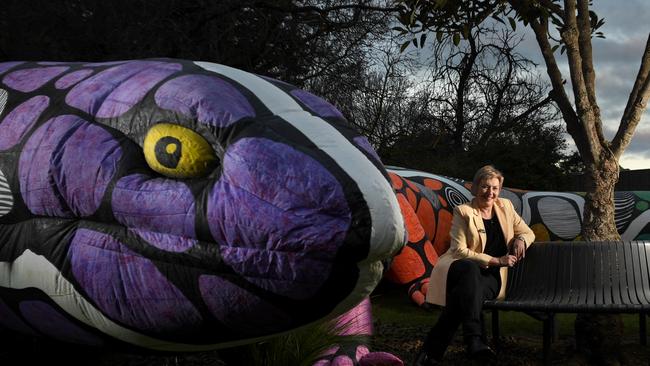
(468, 239)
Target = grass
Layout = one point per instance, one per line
(404, 325)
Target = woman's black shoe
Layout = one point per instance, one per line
(478, 349)
(423, 359)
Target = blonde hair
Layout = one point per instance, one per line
(485, 173)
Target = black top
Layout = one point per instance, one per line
(496, 242)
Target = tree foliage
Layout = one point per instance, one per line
(293, 40)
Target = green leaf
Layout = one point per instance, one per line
(404, 45)
(498, 19)
(555, 48)
(513, 23)
(423, 38)
(465, 31)
(439, 35)
(556, 21)
(415, 42)
(456, 39)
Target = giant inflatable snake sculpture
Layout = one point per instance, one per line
(174, 205)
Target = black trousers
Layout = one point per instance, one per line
(467, 287)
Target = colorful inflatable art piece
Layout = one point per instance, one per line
(427, 202)
(181, 206)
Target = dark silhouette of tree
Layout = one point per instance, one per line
(291, 40)
(481, 103)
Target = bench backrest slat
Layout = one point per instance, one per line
(610, 275)
(644, 285)
(623, 287)
(637, 269)
(586, 278)
(562, 266)
(555, 274)
(629, 274)
(602, 274)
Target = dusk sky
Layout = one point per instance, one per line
(617, 59)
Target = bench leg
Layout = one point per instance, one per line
(495, 329)
(642, 330)
(549, 325)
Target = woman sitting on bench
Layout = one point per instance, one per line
(487, 236)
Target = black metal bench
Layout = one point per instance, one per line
(577, 277)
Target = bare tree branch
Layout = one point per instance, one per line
(540, 27)
(532, 109)
(466, 69)
(636, 104)
(570, 36)
(586, 57)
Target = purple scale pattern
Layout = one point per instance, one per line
(133, 90)
(4, 66)
(54, 180)
(20, 120)
(108, 91)
(53, 324)
(170, 243)
(72, 78)
(318, 105)
(28, 80)
(239, 309)
(279, 216)
(10, 320)
(154, 204)
(128, 287)
(208, 99)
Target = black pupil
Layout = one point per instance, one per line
(164, 157)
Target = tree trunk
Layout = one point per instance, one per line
(598, 336)
(599, 201)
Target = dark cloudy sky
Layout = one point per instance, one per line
(617, 59)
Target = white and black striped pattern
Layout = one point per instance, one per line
(6, 199)
(3, 100)
(623, 209)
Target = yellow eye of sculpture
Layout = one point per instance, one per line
(178, 152)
